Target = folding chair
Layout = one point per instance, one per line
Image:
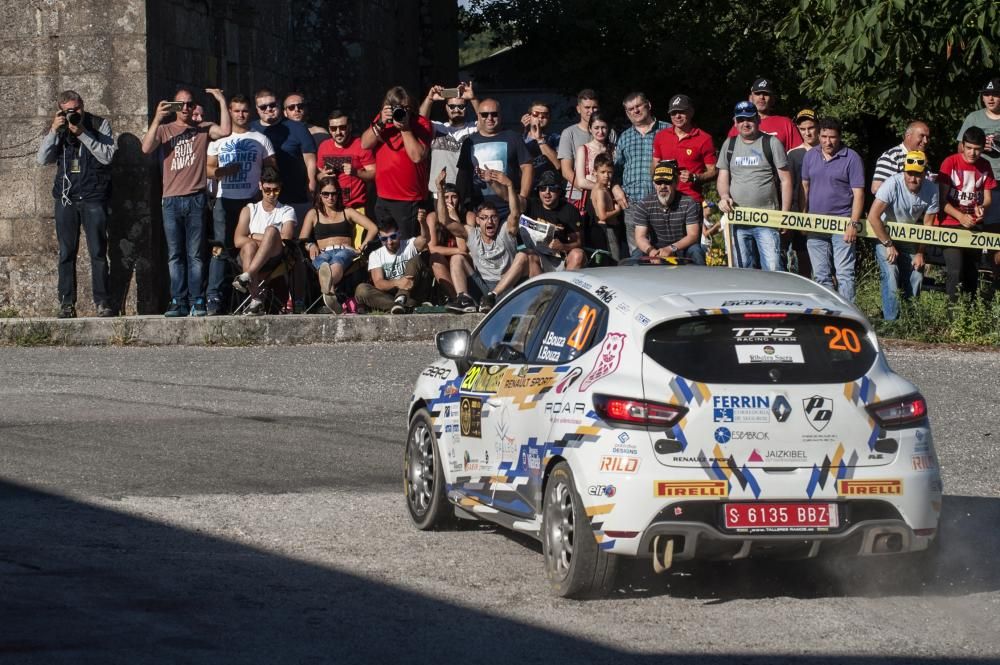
(272, 292)
(355, 273)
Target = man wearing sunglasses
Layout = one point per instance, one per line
(295, 151)
(564, 251)
(448, 136)
(183, 146)
(399, 279)
(235, 162)
(542, 146)
(904, 198)
(81, 145)
(296, 108)
(341, 156)
(764, 97)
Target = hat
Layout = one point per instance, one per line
(992, 87)
(805, 114)
(665, 171)
(680, 103)
(915, 162)
(745, 109)
(549, 179)
(762, 85)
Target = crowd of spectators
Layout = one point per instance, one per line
(464, 210)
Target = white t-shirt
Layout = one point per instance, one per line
(260, 219)
(392, 265)
(249, 150)
(445, 146)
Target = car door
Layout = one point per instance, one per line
(543, 403)
(498, 354)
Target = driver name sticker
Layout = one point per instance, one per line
(783, 354)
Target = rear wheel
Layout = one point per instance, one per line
(423, 476)
(576, 567)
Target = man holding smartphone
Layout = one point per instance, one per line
(183, 146)
(343, 157)
(448, 136)
(81, 145)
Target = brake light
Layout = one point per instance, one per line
(765, 315)
(637, 412)
(899, 413)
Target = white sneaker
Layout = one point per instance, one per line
(255, 308)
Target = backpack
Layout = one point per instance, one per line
(768, 155)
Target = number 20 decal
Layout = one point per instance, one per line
(843, 339)
(585, 325)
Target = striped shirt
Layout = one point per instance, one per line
(633, 159)
(890, 163)
(668, 223)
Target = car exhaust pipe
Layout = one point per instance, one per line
(887, 543)
(668, 555)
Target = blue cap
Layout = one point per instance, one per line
(745, 109)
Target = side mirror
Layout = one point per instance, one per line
(453, 344)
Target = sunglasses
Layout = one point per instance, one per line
(270, 191)
(663, 182)
(296, 107)
(456, 107)
(549, 188)
(391, 236)
(267, 107)
(679, 112)
(489, 114)
(338, 128)
(187, 105)
(329, 195)
(918, 162)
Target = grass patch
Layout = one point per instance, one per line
(124, 332)
(9, 313)
(32, 334)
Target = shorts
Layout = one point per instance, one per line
(337, 256)
(551, 262)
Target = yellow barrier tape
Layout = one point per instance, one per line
(912, 233)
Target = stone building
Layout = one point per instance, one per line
(123, 56)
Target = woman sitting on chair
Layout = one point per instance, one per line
(328, 230)
(259, 235)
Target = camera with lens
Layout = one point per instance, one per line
(399, 114)
(73, 117)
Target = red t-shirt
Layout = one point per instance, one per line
(968, 182)
(780, 126)
(693, 152)
(396, 176)
(352, 186)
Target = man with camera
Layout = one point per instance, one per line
(81, 145)
(400, 139)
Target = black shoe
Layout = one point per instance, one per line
(105, 312)
(487, 303)
(399, 305)
(454, 305)
(67, 312)
(176, 310)
(214, 307)
(468, 304)
(298, 307)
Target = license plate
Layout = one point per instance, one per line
(781, 516)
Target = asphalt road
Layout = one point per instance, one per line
(244, 505)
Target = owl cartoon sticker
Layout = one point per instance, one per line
(607, 360)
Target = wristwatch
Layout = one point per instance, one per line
(887, 242)
(673, 248)
(858, 226)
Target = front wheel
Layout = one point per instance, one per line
(423, 476)
(575, 566)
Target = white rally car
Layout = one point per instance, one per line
(675, 413)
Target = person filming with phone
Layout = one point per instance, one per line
(81, 145)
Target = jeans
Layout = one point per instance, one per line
(768, 242)
(694, 253)
(225, 215)
(830, 255)
(896, 277)
(335, 257)
(183, 227)
(629, 216)
(93, 216)
(961, 270)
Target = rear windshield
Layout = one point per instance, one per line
(762, 348)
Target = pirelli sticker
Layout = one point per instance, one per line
(691, 488)
(869, 487)
(946, 236)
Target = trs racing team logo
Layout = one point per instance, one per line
(819, 411)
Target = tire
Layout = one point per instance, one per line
(423, 476)
(575, 566)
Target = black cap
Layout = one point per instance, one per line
(680, 103)
(763, 85)
(992, 87)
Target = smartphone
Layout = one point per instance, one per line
(175, 107)
(449, 93)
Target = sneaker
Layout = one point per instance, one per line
(325, 279)
(176, 309)
(299, 307)
(255, 308)
(398, 305)
(214, 307)
(332, 303)
(467, 303)
(454, 305)
(67, 311)
(487, 303)
(199, 309)
(242, 282)
(105, 312)
(350, 306)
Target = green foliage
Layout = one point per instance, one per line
(9, 312)
(897, 59)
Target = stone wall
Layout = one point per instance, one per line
(123, 56)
